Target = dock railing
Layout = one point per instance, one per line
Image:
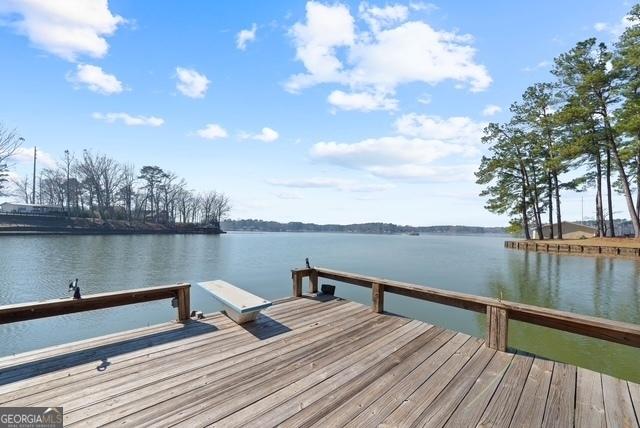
(498, 312)
(48, 308)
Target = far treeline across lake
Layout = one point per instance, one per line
(574, 132)
(251, 225)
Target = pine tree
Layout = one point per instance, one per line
(585, 75)
(506, 175)
(626, 63)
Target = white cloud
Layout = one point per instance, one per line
(212, 131)
(422, 6)
(376, 152)
(24, 155)
(128, 119)
(429, 148)
(326, 28)
(289, 195)
(266, 135)
(616, 28)
(95, 79)
(540, 65)
(383, 17)
(424, 99)
(191, 83)
(396, 51)
(65, 28)
(491, 109)
(600, 26)
(331, 183)
(457, 129)
(362, 101)
(431, 173)
(246, 36)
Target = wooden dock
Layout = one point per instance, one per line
(572, 248)
(316, 360)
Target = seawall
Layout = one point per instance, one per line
(553, 247)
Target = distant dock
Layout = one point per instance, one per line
(574, 248)
(317, 360)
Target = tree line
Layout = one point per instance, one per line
(579, 131)
(373, 228)
(98, 186)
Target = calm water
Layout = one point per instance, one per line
(37, 268)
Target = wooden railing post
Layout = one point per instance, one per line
(296, 278)
(377, 297)
(313, 281)
(184, 304)
(497, 328)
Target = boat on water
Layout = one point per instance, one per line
(413, 233)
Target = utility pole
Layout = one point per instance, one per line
(33, 193)
(66, 155)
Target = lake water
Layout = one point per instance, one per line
(40, 267)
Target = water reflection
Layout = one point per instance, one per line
(599, 286)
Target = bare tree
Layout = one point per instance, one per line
(9, 143)
(208, 205)
(22, 189)
(98, 186)
(52, 187)
(127, 189)
(221, 208)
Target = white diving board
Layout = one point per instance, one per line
(240, 305)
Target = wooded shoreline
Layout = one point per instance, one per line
(15, 225)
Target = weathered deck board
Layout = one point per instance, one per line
(270, 374)
(504, 402)
(389, 401)
(55, 358)
(471, 408)
(440, 409)
(530, 412)
(589, 400)
(202, 372)
(559, 411)
(410, 409)
(116, 361)
(328, 395)
(617, 403)
(163, 367)
(349, 409)
(310, 362)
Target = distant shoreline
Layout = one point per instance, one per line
(86, 232)
(251, 225)
(20, 225)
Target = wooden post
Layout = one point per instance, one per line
(497, 328)
(377, 294)
(313, 281)
(184, 304)
(297, 283)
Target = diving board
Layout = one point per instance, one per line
(240, 305)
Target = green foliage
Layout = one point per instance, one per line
(588, 116)
(515, 227)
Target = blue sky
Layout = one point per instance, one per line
(326, 112)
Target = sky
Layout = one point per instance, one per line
(326, 112)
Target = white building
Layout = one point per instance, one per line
(569, 231)
(17, 208)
